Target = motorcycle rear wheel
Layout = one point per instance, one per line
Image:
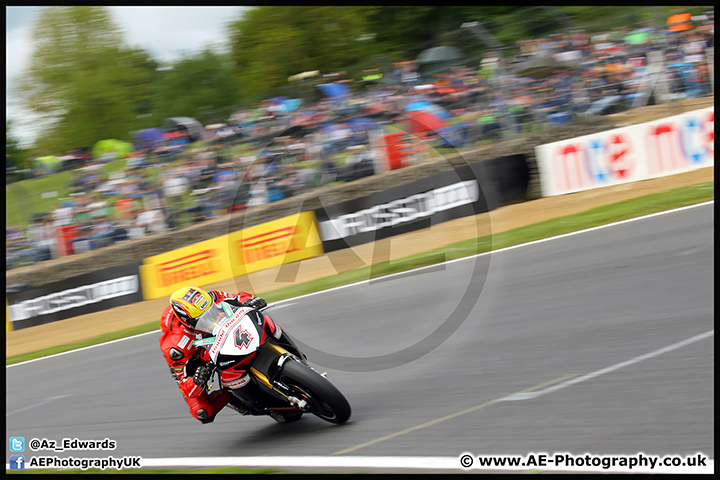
(326, 401)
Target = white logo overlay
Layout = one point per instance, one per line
(75, 297)
(401, 211)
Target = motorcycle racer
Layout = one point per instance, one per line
(188, 363)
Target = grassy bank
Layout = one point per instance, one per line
(636, 207)
(41, 194)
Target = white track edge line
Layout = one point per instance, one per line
(389, 462)
(603, 371)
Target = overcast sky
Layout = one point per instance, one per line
(165, 32)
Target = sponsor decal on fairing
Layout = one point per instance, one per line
(240, 382)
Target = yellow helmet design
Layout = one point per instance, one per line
(189, 303)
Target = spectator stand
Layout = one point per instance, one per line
(499, 97)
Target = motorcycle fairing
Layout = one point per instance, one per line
(238, 338)
(232, 379)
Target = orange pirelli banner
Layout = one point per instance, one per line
(198, 264)
(289, 239)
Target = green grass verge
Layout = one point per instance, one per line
(23, 198)
(636, 207)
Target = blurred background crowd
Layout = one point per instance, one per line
(183, 172)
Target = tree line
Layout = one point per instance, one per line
(88, 84)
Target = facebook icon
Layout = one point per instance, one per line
(17, 462)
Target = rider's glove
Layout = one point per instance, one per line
(174, 375)
(255, 302)
(202, 375)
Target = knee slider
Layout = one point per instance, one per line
(202, 415)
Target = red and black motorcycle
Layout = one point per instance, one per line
(246, 346)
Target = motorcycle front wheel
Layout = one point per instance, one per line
(326, 401)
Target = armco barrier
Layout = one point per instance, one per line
(653, 149)
(93, 292)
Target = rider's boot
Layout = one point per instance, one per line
(238, 405)
(277, 417)
(285, 417)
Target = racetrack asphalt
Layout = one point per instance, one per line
(608, 333)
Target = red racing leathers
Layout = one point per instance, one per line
(176, 343)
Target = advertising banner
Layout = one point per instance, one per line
(198, 264)
(289, 239)
(654, 149)
(420, 204)
(93, 292)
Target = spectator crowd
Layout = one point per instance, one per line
(289, 148)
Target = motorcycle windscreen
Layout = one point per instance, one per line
(211, 318)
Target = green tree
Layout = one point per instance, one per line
(198, 85)
(83, 80)
(410, 29)
(269, 44)
(13, 152)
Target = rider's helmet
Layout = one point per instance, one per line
(189, 303)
